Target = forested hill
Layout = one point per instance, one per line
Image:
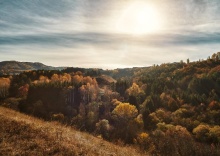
(167, 109)
(171, 70)
(11, 67)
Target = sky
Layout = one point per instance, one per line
(108, 34)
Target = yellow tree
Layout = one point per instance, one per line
(125, 112)
(134, 90)
(124, 116)
(136, 95)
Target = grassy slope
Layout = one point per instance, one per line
(25, 135)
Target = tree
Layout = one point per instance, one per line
(201, 132)
(89, 92)
(125, 124)
(23, 90)
(173, 139)
(121, 86)
(136, 95)
(55, 78)
(217, 58)
(143, 140)
(76, 79)
(125, 112)
(103, 128)
(214, 134)
(4, 87)
(214, 56)
(187, 61)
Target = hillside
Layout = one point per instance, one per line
(104, 80)
(167, 109)
(7, 67)
(24, 135)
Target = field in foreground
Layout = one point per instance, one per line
(25, 135)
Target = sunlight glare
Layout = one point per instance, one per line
(139, 18)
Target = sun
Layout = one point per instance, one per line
(139, 18)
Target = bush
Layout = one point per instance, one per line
(11, 103)
(103, 128)
(58, 117)
(144, 141)
(78, 121)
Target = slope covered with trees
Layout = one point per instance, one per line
(167, 109)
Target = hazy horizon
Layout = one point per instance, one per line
(108, 34)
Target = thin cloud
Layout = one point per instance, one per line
(82, 33)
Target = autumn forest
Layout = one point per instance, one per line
(166, 109)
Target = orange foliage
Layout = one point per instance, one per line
(4, 86)
(77, 79)
(23, 90)
(134, 90)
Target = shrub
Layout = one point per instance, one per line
(58, 117)
(12, 103)
(78, 121)
(144, 141)
(103, 128)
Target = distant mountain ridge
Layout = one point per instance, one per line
(10, 67)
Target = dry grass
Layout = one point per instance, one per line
(25, 135)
